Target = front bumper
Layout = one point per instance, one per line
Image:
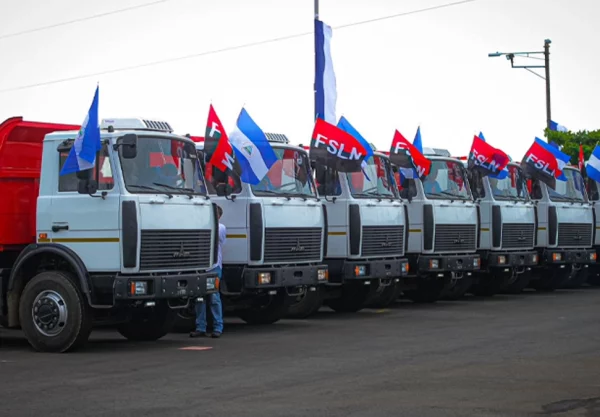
(165, 286)
(284, 276)
(511, 259)
(449, 263)
(569, 256)
(375, 269)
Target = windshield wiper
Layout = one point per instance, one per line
(145, 187)
(187, 190)
(271, 192)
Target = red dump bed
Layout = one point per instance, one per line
(20, 163)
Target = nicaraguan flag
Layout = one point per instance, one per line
(325, 84)
(593, 165)
(87, 144)
(345, 125)
(556, 127)
(252, 149)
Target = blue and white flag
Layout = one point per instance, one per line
(345, 125)
(556, 127)
(252, 149)
(325, 84)
(87, 144)
(593, 165)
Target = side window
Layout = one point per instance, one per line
(476, 183)
(406, 186)
(536, 190)
(327, 181)
(215, 176)
(592, 190)
(102, 173)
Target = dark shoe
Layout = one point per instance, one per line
(198, 334)
(216, 335)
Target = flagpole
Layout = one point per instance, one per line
(316, 17)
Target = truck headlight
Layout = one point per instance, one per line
(557, 257)
(322, 274)
(477, 263)
(434, 263)
(534, 259)
(211, 283)
(501, 260)
(360, 270)
(593, 256)
(405, 267)
(138, 288)
(264, 278)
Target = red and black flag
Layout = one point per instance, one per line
(540, 163)
(406, 156)
(336, 148)
(486, 159)
(217, 148)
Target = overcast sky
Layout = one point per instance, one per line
(427, 68)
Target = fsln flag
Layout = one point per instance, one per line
(593, 165)
(336, 148)
(405, 156)
(252, 149)
(581, 161)
(544, 162)
(556, 127)
(87, 143)
(486, 159)
(325, 82)
(345, 125)
(217, 147)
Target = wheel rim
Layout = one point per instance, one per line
(49, 313)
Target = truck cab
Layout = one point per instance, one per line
(275, 234)
(127, 242)
(443, 230)
(565, 233)
(366, 236)
(507, 232)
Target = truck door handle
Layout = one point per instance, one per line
(59, 227)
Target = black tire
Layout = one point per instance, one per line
(456, 291)
(352, 300)
(552, 279)
(271, 312)
(384, 297)
(148, 324)
(427, 291)
(64, 319)
(308, 304)
(577, 278)
(519, 284)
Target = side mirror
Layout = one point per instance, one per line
(223, 190)
(129, 145)
(84, 175)
(87, 186)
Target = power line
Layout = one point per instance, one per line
(225, 49)
(81, 19)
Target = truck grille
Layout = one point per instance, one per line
(286, 244)
(455, 238)
(382, 240)
(175, 249)
(574, 235)
(517, 235)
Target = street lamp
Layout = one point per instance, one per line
(546, 52)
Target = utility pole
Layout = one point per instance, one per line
(546, 52)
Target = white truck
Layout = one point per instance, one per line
(507, 233)
(275, 234)
(367, 235)
(125, 243)
(443, 230)
(565, 232)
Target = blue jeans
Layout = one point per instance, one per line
(216, 309)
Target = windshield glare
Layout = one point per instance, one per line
(571, 189)
(163, 165)
(289, 176)
(511, 187)
(446, 180)
(375, 179)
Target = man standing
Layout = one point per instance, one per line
(214, 300)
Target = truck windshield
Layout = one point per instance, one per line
(374, 180)
(511, 187)
(570, 190)
(446, 180)
(289, 176)
(163, 165)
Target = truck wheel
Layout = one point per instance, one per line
(577, 278)
(148, 324)
(429, 290)
(352, 300)
(308, 304)
(551, 279)
(519, 284)
(273, 311)
(54, 314)
(385, 296)
(457, 289)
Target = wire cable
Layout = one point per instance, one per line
(225, 49)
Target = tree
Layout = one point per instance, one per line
(570, 142)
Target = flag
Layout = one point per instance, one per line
(325, 83)
(252, 149)
(485, 158)
(219, 151)
(407, 157)
(581, 159)
(593, 165)
(556, 127)
(418, 141)
(345, 125)
(87, 144)
(544, 162)
(481, 136)
(336, 148)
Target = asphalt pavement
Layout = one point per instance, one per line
(526, 355)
